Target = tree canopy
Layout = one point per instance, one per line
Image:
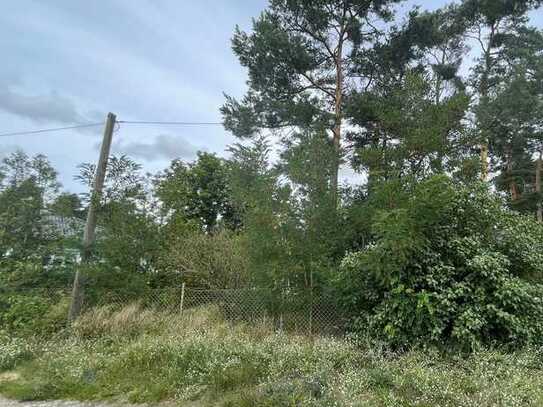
(435, 234)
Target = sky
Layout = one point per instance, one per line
(68, 62)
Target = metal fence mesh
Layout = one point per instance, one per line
(300, 312)
(290, 311)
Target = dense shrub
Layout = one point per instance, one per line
(449, 263)
(34, 296)
(33, 313)
(216, 260)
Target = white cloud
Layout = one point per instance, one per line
(162, 147)
(50, 107)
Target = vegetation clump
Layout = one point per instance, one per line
(449, 265)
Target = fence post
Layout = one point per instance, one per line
(182, 299)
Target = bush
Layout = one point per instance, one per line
(449, 264)
(33, 312)
(217, 260)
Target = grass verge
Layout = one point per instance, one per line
(144, 356)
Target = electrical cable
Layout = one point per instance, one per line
(23, 133)
(171, 123)
(79, 126)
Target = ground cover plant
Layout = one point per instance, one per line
(146, 356)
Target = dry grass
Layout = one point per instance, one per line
(133, 320)
(129, 321)
(9, 377)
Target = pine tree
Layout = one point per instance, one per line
(302, 58)
(488, 22)
(410, 119)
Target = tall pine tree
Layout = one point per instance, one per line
(302, 58)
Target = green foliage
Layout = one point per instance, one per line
(67, 205)
(105, 283)
(405, 131)
(490, 12)
(29, 313)
(31, 273)
(18, 167)
(449, 264)
(123, 180)
(129, 238)
(511, 118)
(26, 186)
(292, 229)
(197, 191)
(22, 311)
(33, 250)
(219, 260)
(263, 206)
(127, 233)
(20, 218)
(303, 59)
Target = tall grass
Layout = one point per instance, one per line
(139, 355)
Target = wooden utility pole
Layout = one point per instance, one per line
(90, 226)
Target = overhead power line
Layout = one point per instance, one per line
(79, 126)
(172, 123)
(23, 133)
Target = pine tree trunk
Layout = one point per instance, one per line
(338, 116)
(509, 174)
(538, 168)
(484, 161)
(483, 91)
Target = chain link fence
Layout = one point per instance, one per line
(300, 312)
(293, 311)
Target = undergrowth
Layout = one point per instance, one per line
(140, 355)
